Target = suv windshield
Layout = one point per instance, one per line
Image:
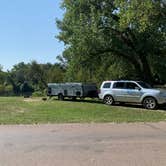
(144, 85)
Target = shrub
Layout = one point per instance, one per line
(6, 90)
(37, 94)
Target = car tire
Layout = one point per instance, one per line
(150, 103)
(60, 97)
(108, 99)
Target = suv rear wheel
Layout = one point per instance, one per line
(150, 103)
(108, 100)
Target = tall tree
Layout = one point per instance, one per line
(99, 31)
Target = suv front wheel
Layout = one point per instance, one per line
(108, 100)
(150, 103)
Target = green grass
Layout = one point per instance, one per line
(14, 110)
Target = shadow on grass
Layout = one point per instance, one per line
(139, 106)
(97, 101)
(125, 105)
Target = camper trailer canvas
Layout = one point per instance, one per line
(72, 90)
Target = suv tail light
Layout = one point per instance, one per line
(99, 91)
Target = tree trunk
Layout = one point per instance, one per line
(146, 71)
(142, 69)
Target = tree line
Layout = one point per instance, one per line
(31, 77)
(104, 40)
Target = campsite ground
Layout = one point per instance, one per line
(79, 133)
(17, 110)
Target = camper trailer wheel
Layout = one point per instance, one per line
(60, 97)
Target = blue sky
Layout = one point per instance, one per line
(27, 31)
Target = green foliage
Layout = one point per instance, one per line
(6, 90)
(24, 78)
(2, 89)
(37, 94)
(26, 89)
(103, 37)
(141, 14)
(2, 77)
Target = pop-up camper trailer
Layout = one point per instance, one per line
(72, 90)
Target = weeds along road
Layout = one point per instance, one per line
(138, 144)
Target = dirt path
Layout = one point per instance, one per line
(84, 145)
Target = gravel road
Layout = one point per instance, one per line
(138, 144)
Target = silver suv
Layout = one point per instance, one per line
(131, 92)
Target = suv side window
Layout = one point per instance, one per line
(107, 85)
(119, 85)
(131, 85)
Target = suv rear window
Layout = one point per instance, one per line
(119, 85)
(107, 85)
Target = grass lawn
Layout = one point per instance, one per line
(17, 110)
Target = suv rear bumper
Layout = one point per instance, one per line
(161, 100)
(100, 96)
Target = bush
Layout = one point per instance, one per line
(37, 94)
(6, 90)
